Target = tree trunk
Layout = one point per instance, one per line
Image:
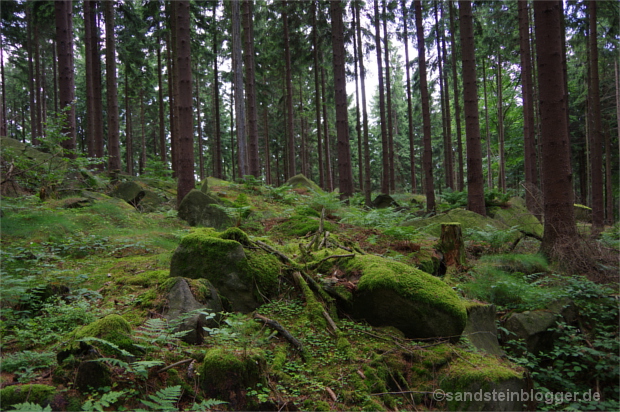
(317, 95)
(267, 154)
(328, 162)
(128, 129)
(160, 101)
(90, 104)
(98, 137)
(66, 84)
(38, 83)
(31, 87)
(445, 107)
(201, 158)
(414, 185)
(217, 152)
(446, 88)
(559, 222)
(345, 173)
(385, 159)
(114, 149)
(596, 146)
(171, 103)
(487, 126)
(358, 122)
(289, 95)
(4, 129)
(529, 144)
(185, 170)
(250, 83)
(242, 154)
(457, 107)
(367, 185)
(500, 125)
(142, 162)
(388, 91)
(429, 185)
(475, 177)
(452, 244)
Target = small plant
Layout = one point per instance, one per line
(282, 194)
(491, 238)
(24, 364)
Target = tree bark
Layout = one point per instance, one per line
(185, 170)
(446, 88)
(487, 126)
(217, 152)
(385, 159)
(90, 105)
(329, 176)
(66, 83)
(429, 185)
(201, 158)
(128, 129)
(317, 95)
(250, 84)
(367, 185)
(30, 52)
(475, 177)
(500, 124)
(457, 107)
(345, 174)
(388, 95)
(358, 122)
(289, 95)
(559, 222)
(114, 150)
(160, 101)
(452, 244)
(414, 185)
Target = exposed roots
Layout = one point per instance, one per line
(587, 257)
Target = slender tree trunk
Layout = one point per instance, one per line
(186, 180)
(174, 64)
(4, 129)
(529, 144)
(559, 222)
(114, 150)
(358, 122)
(389, 111)
(609, 194)
(345, 173)
(66, 83)
(217, 155)
(171, 104)
(128, 128)
(37, 83)
(457, 106)
(445, 106)
(596, 144)
(160, 100)
(367, 184)
(429, 185)
(328, 162)
(488, 128)
(250, 83)
(289, 95)
(142, 163)
(267, 153)
(500, 125)
(475, 177)
(31, 87)
(98, 137)
(414, 186)
(446, 89)
(385, 159)
(201, 157)
(317, 95)
(90, 95)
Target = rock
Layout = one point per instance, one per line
(138, 195)
(241, 278)
(533, 327)
(500, 395)
(204, 187)
(583, 213)
(198, 209)
(518, 215)
(113, 328)
(391, 293)
(227, 374)
(302, 182)
(181, 300)
(76, 202)
(92, 375)
(566, 308)
(382, 201)
(37, 394)
(481, 329)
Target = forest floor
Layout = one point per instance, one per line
(66, 267)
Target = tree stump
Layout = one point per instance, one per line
(452, 245)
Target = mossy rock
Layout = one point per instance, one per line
(383, 201)
(138, 195)
(481, 330)
(298, 226)
(534, 327)
(516, 214)
(471, 379)
(302, 182)
(113, 328)
(240, 277)
(92, 375)
(204, 186)
(42, 395)
(198, 209)
(226, 374)
(391, 293)
(583, 213)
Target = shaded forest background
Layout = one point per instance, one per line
(257, 84)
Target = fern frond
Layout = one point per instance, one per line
(123, 352)
(164, 399)
(30, 407)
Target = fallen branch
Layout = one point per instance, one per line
(331, 393)
(330, 322)
(316, 265)
(174, 364)
(285, 333)
(269, 249)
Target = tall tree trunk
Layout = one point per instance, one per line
(414, 186)
(427, 161)
(345, 174)
(329, 176)
(201, 158)
(98, 136)
(250, 83)
(142, 162)
(176, 125)
(529, 143)
(242, 153)
(114, 149)
(317, 94)
(500, 125)
(445, 106)
(385, 159)
(31, 87)
(38, 75)
(90, 104)
(596, 144)
(367, 185)
(559, 222)
(185, 171)
(475, 177)
(267, 154)
(217, 152)
(128, 128)
(446, 89)
(457, 106)
(609, 194)
(66, 83)
(487, 126)
(160, 100)
(290, 137)
(358, 122)
(388, 90)
(171, 103)
(4, 129)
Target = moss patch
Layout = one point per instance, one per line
(467, 219)
(298, 226)
(38, 394)
(113, 328)
(518, 215)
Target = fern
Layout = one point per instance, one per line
(123, 352)
(107, 400)
(163, 400)
(158, 332)
(30, 407)
(206, 405)
(141, 368)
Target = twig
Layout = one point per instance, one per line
(285, 333)
(269, 249)
(315, 265)
(329, 390)
(174, 364)
(330, 322)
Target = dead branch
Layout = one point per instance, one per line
(174, 364)
(331, 393)
(330, 322)
(271, 250)
(316, 265)
(285, 333)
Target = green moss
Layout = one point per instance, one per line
(234, 233)
(473, 368)
(467, 219)
(145, 279)
(298, 226)
(113, 328)
(518, 215)
(264, 268)
(37, 394)
(409, 282)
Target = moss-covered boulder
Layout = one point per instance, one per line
(300, 225)
(139, 195)
(391, 293)
(199, 209)
(42, 395)
(240, 277)
(481, 330)
(382, 201)
(534, 327)
(181, 301)
(228, 374)
(92, 375)
(113, 328)
(302, 182)
(204, 187)
(467, 219)
(517, 215)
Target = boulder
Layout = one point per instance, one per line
(516, 214)
(181, 300)
(241, 278)
(534, 328)
(138, 195)
(391, 293)
(204, 187)
(92, 375)
(481, 330)
(199, 209)
(36, 394)
(113, 328)
(302, 182)
(382, 201)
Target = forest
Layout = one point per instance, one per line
(309, 205)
